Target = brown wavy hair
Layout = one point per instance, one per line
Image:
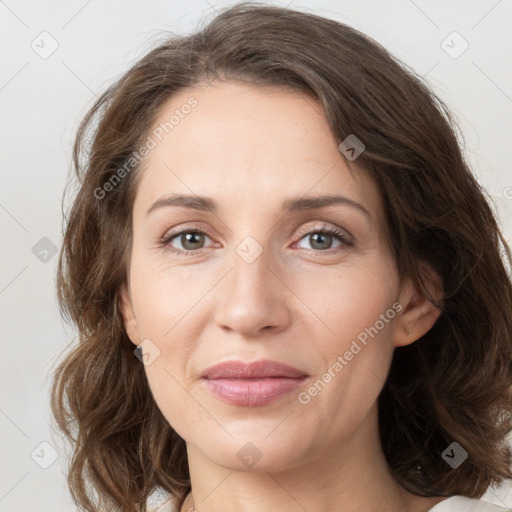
(453, 384)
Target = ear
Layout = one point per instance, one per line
(128, 314)
(418, 314)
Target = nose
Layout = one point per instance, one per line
(253, 297)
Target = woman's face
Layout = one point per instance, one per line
(262, 283)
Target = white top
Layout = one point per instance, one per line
(464, 504)
(453, 504)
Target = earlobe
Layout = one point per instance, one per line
(418, 314)
(128, 314)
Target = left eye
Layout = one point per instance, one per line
(322, 239)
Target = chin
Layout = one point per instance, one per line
(255, 446)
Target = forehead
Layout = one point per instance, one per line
(256, 145)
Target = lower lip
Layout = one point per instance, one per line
(252, 392)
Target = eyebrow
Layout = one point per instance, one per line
(207, 204)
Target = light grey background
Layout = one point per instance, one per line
(43, 99)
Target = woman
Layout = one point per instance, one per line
(288, 286)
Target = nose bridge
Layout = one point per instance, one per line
(251, 264)
(255, 259)
(252, 296)
(251, 236)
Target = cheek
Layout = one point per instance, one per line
(164, 296)
(345, 301)
(166, 306)
(175, 401)
(353, 312)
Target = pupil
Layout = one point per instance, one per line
(189, 238)
(327, 240)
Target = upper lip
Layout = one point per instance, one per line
(251, 370)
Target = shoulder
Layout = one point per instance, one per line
(464, 504)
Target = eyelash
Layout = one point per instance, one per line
(326, 230)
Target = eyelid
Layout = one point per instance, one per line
(185, 229)
(343, 233)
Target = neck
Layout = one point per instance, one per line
(351, 478)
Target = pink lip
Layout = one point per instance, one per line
(251, 384)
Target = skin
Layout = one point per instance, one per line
(250, 149)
